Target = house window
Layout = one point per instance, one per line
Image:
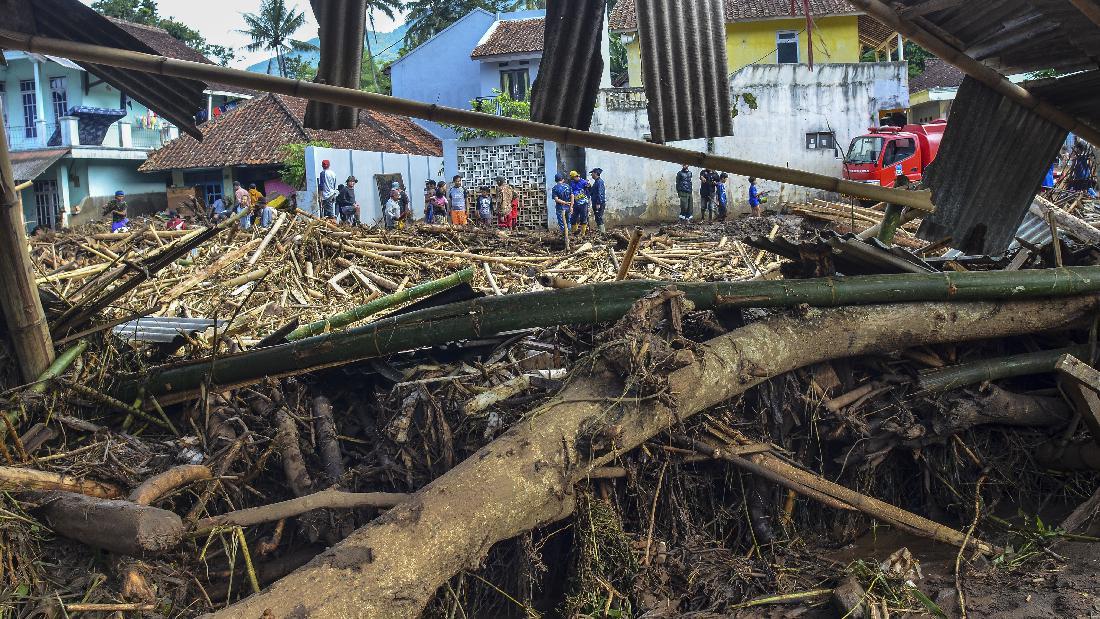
(59, 96)
(515, 82)
(4, 104)
(30, 108)
(209, 183)
(786, 43)
(47, 202)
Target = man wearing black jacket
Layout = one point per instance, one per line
(346, 205)
(683, 189)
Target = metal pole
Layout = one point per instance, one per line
(96, 54)
(975, 69)
(22, 308)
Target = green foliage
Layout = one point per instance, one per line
(915, 56)
(508, 108)
(372, 77)
(603, 557)
(294, 162)
(145, 12)
(272, 29)
(298, 68)
(619, 63)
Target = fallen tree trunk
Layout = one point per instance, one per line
(20, 479)
(592, 304)
(524, 479)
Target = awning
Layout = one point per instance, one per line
(29, 164)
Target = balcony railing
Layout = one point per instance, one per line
(23, 137)
(149, 138)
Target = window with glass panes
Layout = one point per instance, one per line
(30, 108)
(59, 96)
(786, 44)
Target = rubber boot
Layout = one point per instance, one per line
(603, 229)
(584, 229)
(573, 229)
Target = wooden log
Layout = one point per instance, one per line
(628, 258)
(205, 274)
(20, 305)
(116, 526)
(501, 392)
(392, 567)
(267, 239)
(21, 480)
(1071, 225)
(1082, 386)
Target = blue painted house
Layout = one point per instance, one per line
(80, 139)
(476, 55)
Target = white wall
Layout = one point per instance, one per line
(415, 170)
(790, 102)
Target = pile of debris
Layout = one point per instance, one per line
(645, 425)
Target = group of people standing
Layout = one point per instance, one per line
(254, 204)
(576, 197)
(713, 195)
(443, 204)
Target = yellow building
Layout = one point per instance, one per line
(765, 33)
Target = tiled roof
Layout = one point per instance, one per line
(255, 133)
(624, 17)
(167, 45)
(937, 74)
(520, 36)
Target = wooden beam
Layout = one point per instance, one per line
(975, 69)
(19, 300)
(160, 65)
(928, 6)
(1090, 8)
(1082, 386)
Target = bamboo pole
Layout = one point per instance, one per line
(964, 374)
(628, 259)
(22, 480)
(339, 321)
(19, 301)
(160, 65)
(591, 304)
(58, 367)
(975, 69)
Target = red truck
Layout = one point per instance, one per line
(879, 157)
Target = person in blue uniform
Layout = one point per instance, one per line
(563, 200)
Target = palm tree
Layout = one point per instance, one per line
(428, 18)
(387, 8)
(272, 29)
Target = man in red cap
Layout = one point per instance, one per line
(326, 187)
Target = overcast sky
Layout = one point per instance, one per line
(220, 26)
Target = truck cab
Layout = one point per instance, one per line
(885, 153)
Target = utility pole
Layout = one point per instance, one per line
(22, 308)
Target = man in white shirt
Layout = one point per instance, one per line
(326, 186)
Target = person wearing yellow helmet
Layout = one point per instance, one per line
(581, 200)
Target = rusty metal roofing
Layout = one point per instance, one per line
(175, 99)
(571, 68)
(624, 17)
(342, 25)
(685, 66)
(525, 36)
(994, 156)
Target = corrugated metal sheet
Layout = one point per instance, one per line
(684, 59)
(161, 329)
(173, 98)
(1013, 36)
(342, 28)
(1077, 94)
(569, 77)
(991, 163)
(849, 254)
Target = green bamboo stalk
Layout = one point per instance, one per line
(59, 365)
(964, 374)
(341, 320)
(597, 303)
